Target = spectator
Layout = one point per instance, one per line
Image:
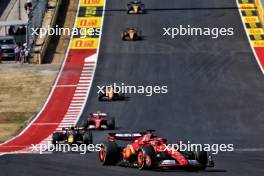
(26, 55)
(11, 30)
(28, 6)
(22, 54)
(17, 53)
(24, 30)
(19, 31)
(19, 44)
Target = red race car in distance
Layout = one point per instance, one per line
(100, 121)
(146, 151)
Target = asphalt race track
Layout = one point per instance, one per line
(215, 90)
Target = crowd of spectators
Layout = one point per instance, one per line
(22, 54)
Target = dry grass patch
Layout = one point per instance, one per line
(6, 133)
(23, 91)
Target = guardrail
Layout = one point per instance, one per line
(41, 45)
(260, 8)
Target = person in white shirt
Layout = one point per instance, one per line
(26, 55)
(17, 53)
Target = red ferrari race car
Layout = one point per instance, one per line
(146, 151)
(135, 7)
(100, 121)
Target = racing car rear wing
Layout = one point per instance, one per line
(128, 136)
(75, 128)
(99, 114)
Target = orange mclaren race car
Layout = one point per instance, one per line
(110, 95)
(146, 151)
(131, 34)
(135, 7)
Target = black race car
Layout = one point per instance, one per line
(72, 135)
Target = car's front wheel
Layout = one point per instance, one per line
(146, 158)
(202, 158)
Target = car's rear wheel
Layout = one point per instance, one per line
(123, 36)
(85, 124)
(100, 96)
(56, 137)
(88, 138)
(111, 124)
(146, 158)
(143, 8)
(139, 35)
(109, 153)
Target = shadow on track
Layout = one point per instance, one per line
(175, 170)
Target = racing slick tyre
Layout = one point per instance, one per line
(101, 96)
(111, 124)
(85, 124)
(123, 36)
(88, 138)
(56, 137)
(202, 158)
(109, 153)
(138, 36)
(129, 8)
(146, 158)
(143, 8)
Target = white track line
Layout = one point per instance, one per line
(249, 150)
(95, 57)
(87, 72)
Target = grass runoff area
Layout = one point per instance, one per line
(25, 88)
(23, 91)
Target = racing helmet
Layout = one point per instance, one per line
(72, 127)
